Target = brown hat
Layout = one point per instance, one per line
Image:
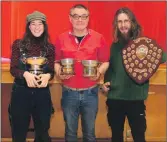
(36, 15)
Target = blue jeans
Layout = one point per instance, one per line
(84, 103)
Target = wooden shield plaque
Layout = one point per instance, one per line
(141, 58)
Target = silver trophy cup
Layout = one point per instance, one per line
(67, 66)
(90, 68)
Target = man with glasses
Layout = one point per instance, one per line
(79, 93)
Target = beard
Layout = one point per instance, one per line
(124, 37)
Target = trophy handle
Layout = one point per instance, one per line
(46, 61)
(23, 58)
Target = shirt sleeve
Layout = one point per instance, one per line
(103, 52)
(51, 57)
(15, 59)
(107, 76)
(164, 57)
(58, 53)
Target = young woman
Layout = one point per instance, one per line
(30, 92)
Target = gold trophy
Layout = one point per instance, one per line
(90, 68)
(35, 64)
(67, 66)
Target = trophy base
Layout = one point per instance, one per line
(36, 72)
(89, 75)
(89, 72)
(67, 70)
(67, 73)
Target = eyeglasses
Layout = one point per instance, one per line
(76, 17)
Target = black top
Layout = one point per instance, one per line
(18, 72)
(79, 38)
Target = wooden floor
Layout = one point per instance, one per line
(54, 140)
(62, 140)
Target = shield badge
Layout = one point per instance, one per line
(141, 58)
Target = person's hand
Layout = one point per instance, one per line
(97, 77)
(43, 80)
(105, 87)
(30, 79)
(59, 73)
(63, 77)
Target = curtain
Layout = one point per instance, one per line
(150, 15)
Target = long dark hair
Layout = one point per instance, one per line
(135, 29)
(28, 39)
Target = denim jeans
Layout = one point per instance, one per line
(84, 103)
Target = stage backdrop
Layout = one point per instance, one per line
(151, 15)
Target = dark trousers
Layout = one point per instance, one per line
(27, 102)
(134, 111)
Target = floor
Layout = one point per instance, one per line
(53, 140)
(61, 140)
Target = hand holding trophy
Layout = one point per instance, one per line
(35, 70)
(91, 69)
(66, 68)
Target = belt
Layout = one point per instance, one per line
(79, 89)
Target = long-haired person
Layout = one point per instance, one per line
(30, 93)
(125, 97)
